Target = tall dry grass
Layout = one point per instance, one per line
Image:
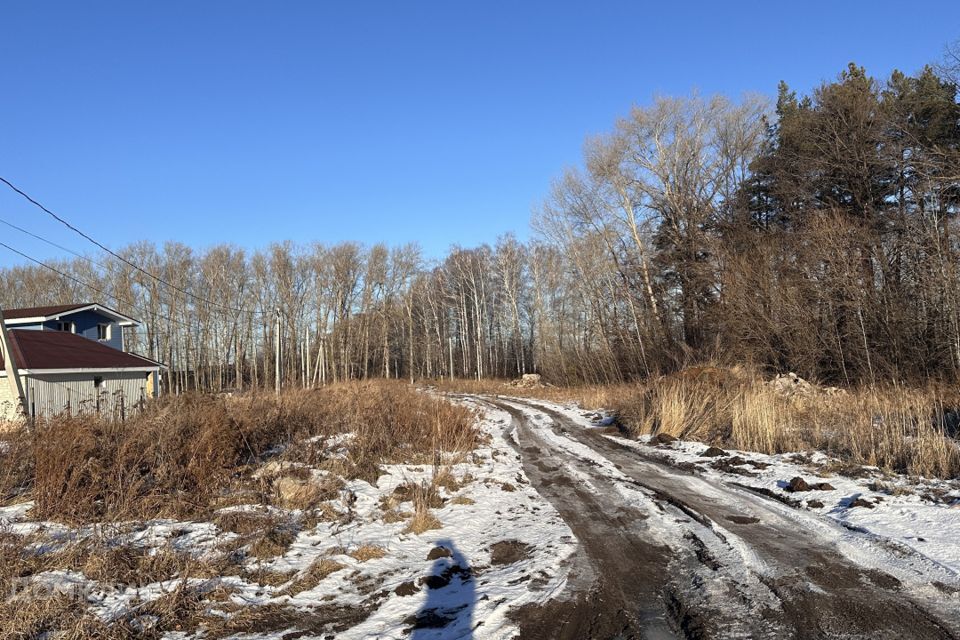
(902, 429)
(906, 430)
(177, 457)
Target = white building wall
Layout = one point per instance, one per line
(8, 400)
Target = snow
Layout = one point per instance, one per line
(496, 503)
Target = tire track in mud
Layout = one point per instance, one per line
(625, 581)
(758, 574)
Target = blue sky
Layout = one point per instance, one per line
(441, 123)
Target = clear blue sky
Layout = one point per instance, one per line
(249, 122)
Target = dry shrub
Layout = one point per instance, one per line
(15, 561)
(65, 616)
(178, 457)
(423, 521)
(169, 461)
(445, 478)
(391, 423)
(16, 468)
(129, 565)
(424, 496)
(182, 609)
(892, 427)
(267, 578)
(324, 512)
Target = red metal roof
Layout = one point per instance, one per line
(62, 350)
(41, 312)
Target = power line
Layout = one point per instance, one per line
(90, 286)
(118, 256)
(52, 243)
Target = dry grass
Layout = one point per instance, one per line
(272, 542)
(424, 496)
(368, 552)
(317, 572)
(896, 428)
(392, 516)
(244, 522)
(292, 492)
(177, 458)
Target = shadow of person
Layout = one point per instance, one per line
(451, 596)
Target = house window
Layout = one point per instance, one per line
(103, 332)
(69, 327)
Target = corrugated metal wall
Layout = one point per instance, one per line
(119, 394)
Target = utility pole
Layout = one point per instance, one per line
(276, 341)
(12, 368)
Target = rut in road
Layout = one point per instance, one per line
(668, 554)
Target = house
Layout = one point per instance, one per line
(71, 359)
(92, 321)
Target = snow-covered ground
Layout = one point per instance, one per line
(354, 567)
(500, 546)
(919, 514)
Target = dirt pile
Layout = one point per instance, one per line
(798, 484)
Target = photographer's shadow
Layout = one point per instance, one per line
(451, 597)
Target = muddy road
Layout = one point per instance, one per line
(665, 553)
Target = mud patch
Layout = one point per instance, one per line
(407, 589)
(743, 519)
(882, 580)
(509, 552)
(434, 618)
(439, 552)
(733, 465)
(768, 493)
(703, 554)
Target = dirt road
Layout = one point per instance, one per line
(669, 554)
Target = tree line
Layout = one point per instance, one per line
(816, 234)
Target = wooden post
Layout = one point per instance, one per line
(12, 368)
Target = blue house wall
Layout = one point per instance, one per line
(85, 323)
